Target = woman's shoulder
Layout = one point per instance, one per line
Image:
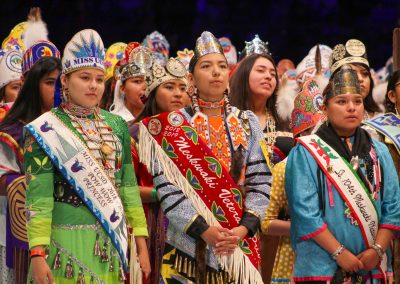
(380, 147)
(110, 116)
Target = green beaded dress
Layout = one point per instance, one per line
(79, 249)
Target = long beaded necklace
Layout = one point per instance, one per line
(270, 134)
(98, 136)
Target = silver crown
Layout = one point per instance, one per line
(256, 46)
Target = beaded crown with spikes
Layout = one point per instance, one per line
(84, 50)
(159, 45)
(207, 43)
(255, 46)
(185, 56)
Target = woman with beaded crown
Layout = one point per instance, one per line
(343, 194)
(208, 170)
(130, 88)
(164, 93)
(82, 189)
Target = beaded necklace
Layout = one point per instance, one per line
(217, 130)
(270, 134)
(104, 145)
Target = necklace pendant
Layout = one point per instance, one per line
(355, 163)
(106, 164)
(106, 149)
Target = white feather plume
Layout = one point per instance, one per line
(321, 81)
(36, 29)
(285, 100)
(379, 94)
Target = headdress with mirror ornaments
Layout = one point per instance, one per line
(84, 50)
(353, 52)
(10, 66)
(139, 61)
(207, 43)
(173, 70)
(159, 45)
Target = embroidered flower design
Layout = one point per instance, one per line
(168, 149)
(214, 165)
(218, 212)
(244, 246)
(193, 180)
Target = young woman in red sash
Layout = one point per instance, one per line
(343, 194)
(163, 94)
(210, 176)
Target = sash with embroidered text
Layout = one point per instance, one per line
(350, 187)
(78, 166)
(189, 164)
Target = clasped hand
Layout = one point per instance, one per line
(367, 260)
(224, 241)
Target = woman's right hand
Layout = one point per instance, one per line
(41, 273)
(349, 262)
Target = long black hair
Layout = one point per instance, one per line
(241, 97)
(369, 104)
(393, 80)
(27, 106)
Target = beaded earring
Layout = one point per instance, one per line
(65, 94)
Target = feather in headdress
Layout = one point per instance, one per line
(36, 29)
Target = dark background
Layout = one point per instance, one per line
(291, 27)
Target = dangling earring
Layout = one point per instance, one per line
(227, 91)
(228, 107)
(397, 111)
(65, 94)
(192, 91)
